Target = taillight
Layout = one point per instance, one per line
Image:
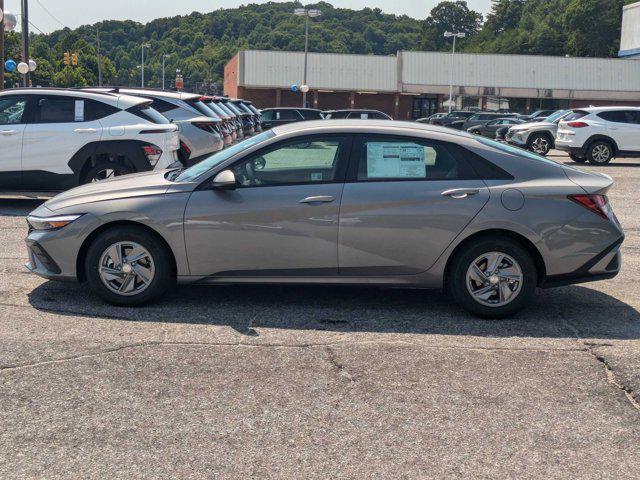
(152, 153)
(185, 149)
(207, 127)
(595, 203)
(577, 124)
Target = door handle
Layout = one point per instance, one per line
(8, 132)
(318, 199)
(85, 130)
(459, 193)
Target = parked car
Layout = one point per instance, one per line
(362, 114)
(273, 117)
(246, 118)
(223, 103)
(538, 115)
(342, 202)
(55, 139)
(431, 117)
(490, 129)
(257, 114)
(481, 118)
(539, 137)
(599, 134)
(456, 117)
(228, 119)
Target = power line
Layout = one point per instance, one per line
(50, 14)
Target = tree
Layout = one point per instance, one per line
(586, 41)
(452, 16)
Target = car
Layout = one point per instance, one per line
(538, 115)
(456, 117)
(346, 202)
(56, 139)
(599, 134)
(431, 117)
(273, 117)
(539, 137)
(490, 128)
(200, 129)
(257, 114)
(482, 118)
(246, 117)
(223, 104)
(228, 119)
(356, 113)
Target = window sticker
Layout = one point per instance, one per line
(396, 160)
(79, 111)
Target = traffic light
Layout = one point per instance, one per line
(67, 58)
(74, 58)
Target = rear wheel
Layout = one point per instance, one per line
(493, 278)
(577, 159)
(128, 266)
(540, 144)
(104, 171)
(600, 152)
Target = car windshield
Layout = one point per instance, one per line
(517, 151)
(192, 173)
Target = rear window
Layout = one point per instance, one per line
(161, 105)
(516, 151)
(286, 115)
(575, 115)
(312, 115)
(203, 109)
(149, 114)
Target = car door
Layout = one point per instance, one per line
(624, 127)
(404, 202)
(12, 126)
(57, 130)
(281, 220)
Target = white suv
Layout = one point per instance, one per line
(599, 134)
(56, 139)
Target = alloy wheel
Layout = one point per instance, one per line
(601, 153)
(540, 145)
(494, 279)
(126, 268)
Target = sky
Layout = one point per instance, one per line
(49, 15)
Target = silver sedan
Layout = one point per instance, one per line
(375, 203)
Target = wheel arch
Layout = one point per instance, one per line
(82, 253)
(600, 137)
(541, 269)
(543, 133)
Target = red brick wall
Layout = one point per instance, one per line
(261, 98)
(333, 100)
(231, 77)
(600, 103)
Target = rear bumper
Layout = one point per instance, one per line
(603, 266)
(578, 151)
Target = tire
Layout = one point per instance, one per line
(540, 144)
(577, 159)
(104, 170)
(517, 262)
(155, 267)
(600, 152)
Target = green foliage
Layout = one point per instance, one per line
(201, 44)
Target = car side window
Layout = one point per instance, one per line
(287, 115)
(619, 116)
(12, 110)
(59, 109)
(95, 110)
(397, 159)
(305, 161)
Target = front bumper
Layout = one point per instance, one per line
(518, 139)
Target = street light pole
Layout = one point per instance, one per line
(99, 62)
(25, 38)
(2, 46)
(307, 13)
(144, 45)
(164, 57)
(453, 52)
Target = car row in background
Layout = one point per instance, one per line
(272, 117)
(55, 139)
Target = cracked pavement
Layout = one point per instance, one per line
(316, 382)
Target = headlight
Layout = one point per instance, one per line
(51, 223)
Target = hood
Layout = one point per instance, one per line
(126, 186)
(591, 182)
(530, 125)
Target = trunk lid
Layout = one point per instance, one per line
(592, 183)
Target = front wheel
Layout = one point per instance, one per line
(540, 144)
(128, 266)
(493, 278)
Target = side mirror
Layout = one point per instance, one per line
(224, 180)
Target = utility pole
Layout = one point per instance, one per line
(99, 62)
(25, 39)
(164, 57)
(2, 47)
(144, 45)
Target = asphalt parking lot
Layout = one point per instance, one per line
(315, 382)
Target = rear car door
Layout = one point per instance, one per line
(58, 128)
(281, 220)
(12, 126)
(404, 202)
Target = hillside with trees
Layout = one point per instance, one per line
(201, 43)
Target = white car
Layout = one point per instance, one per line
(537, 136)
(56, 139)
(599, 134)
